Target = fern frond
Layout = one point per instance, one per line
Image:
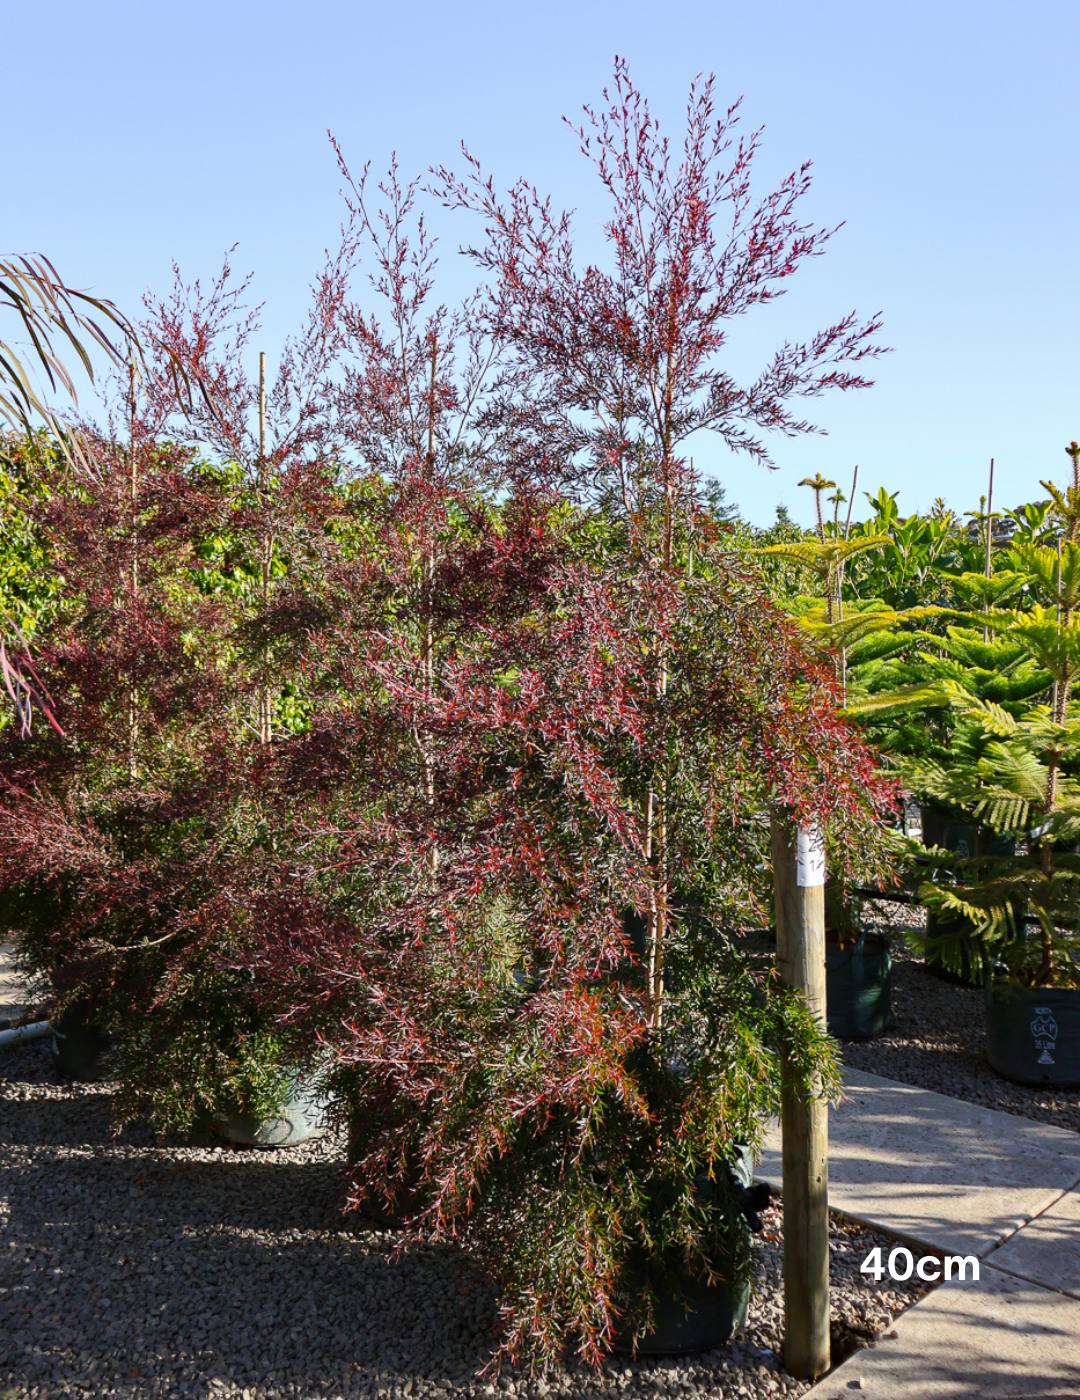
(990, 715)
(910, 697)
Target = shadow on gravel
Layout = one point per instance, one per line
(81, 1120)
(330, 1318)
(253, 1290)
(237, 1191)
(137, 1269)
(938, 1041)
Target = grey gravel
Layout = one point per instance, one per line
(938, 1038)
(132, 1268)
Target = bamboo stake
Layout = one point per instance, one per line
(266, 551)
(656, 827)
(800, 959)
(1060, 703)
(262, 419)
(1055, 696)
(989, 541)
(427, 642)
(690, 544)
(133, 491)
(840, 583)
(990, 519)
(851, 503)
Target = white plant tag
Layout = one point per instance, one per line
(809, 857)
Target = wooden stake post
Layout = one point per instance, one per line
(266, 549)
(989, 541)
(799, 875)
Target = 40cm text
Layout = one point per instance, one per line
(902, 1264)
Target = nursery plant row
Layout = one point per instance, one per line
(963, 677)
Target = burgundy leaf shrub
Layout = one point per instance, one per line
(603, 735)
(492, 867)
(133, 842)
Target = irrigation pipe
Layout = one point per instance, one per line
(17, 1034)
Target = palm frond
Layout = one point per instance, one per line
(49, 311)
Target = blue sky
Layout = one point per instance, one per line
(944, 135)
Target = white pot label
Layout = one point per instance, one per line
(1044, 1030)
(809, 857)
(913, 820)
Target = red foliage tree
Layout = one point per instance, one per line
(630, 355)
(132, 842)
(77, 802)
(537, 697)
(613, 710)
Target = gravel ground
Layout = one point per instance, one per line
(132, 1269)
(938, 1039)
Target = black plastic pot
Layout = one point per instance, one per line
(299, 1119)
(940, 828)
(1033, 1033)
(966, 839)
(858, 988)
(694, 1317)
(974, 959)
(689, 1314)
(78, 1047)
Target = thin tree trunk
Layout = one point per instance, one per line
(1060, 705)
(1046, 855)
(1057, 684)
(840, 584)
(654, 983)
(1046, 861)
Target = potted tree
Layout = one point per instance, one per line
(1033, 998)
(130, 834)
(858, 963)
(904, 701)
(604, 736)
(1024, 783)
(630, 355)
(112, 828)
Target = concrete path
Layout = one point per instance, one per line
(948, 1177)
(14, 996)
(1000, 1338)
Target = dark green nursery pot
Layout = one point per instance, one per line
(858, 988)
(691, 1314)
(1033, 1033)
(78, 1047)
(300, 1118)
(942, 829)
